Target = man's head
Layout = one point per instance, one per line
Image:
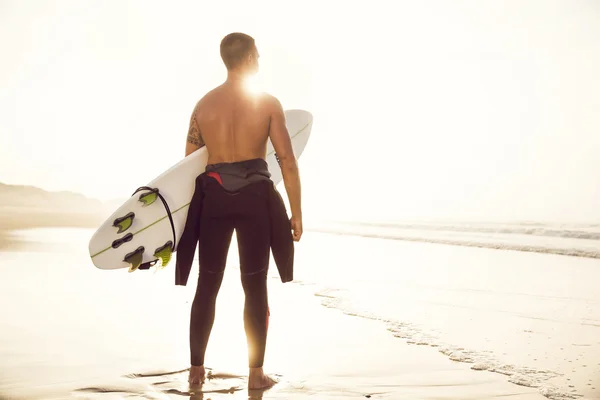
(239, 53)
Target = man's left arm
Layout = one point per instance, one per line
(194, 137)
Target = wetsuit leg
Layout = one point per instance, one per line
(216, 230)
(253, 236)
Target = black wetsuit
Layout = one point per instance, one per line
(236, 196)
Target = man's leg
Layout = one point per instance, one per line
(213, 245)
(256, 317)
(253, 235)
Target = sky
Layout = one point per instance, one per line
(469, 110)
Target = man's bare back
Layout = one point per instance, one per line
(233, 123)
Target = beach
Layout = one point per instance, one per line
(449, 192)
(364, 318)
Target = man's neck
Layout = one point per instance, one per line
(236, 78)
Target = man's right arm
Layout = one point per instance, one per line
(282, 143)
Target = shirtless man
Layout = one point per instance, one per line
(235, 125)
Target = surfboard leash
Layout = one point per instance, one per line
(155, 192)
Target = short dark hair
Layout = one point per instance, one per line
(235, 47)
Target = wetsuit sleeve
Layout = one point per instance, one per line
(282, 242)
(189, 238)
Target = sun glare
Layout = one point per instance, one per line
(253, 84)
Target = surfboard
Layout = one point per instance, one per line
(145, 230)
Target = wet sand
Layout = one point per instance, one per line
(74, 331)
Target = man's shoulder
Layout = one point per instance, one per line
(210, 95)
(208, 101)
(270, 102)
(270, 98)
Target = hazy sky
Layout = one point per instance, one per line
(465, 109)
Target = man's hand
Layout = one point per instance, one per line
(194, 138)
(296, 227)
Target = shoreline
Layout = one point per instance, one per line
(383, 366)
(316, 351)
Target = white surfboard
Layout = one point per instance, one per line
(141, 230)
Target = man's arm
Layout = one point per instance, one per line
(282, 143)
(194, 138)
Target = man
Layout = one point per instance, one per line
(235, 125)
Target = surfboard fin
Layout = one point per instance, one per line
(124, 223)
(147, 265)
(164, 253)
(149, 197)
(134, 259)
(118, 242)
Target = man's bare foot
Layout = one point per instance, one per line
(197, 375)
(258, 380)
